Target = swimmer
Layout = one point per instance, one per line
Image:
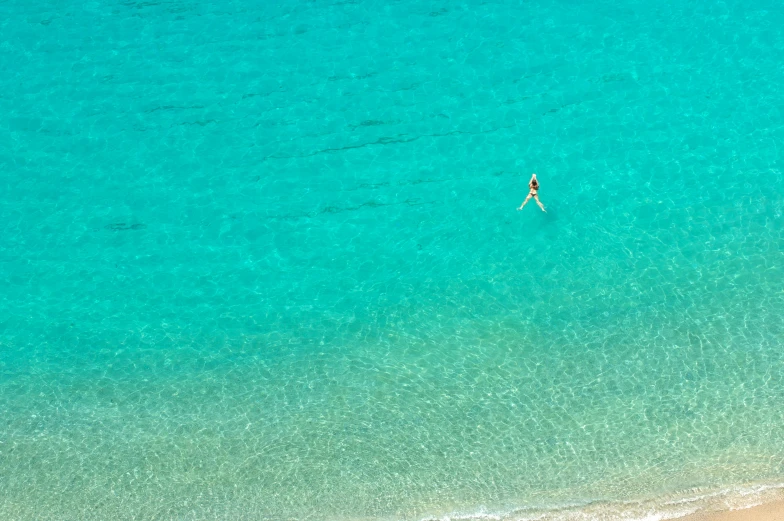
(533, 185)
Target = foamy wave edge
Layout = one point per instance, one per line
(660, 508)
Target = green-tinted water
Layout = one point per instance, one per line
(263, 261)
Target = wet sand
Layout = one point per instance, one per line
(773, 511)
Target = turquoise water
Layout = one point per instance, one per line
(262, 261)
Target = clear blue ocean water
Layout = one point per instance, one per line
(261, 260)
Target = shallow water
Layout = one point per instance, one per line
(263, 261)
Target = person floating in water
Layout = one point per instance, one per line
(533, 185)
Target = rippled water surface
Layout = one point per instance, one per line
(261, 260)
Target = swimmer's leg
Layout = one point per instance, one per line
(536, 198)
(524, 202)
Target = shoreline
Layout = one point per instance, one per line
(750, 502)
(772, 510)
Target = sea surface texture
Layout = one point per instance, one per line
(261, 260)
